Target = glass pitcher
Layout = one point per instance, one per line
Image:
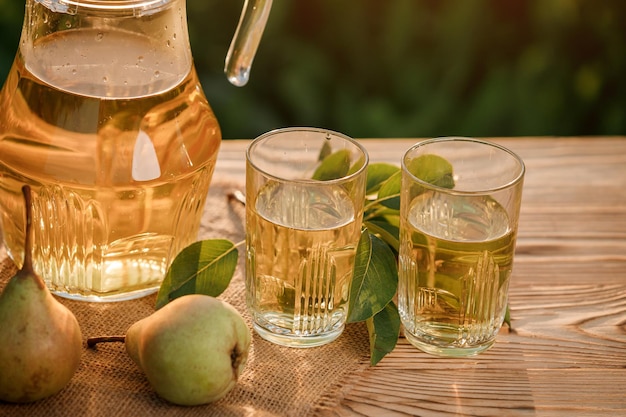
(103, 116)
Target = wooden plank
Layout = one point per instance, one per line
(566, 353)
(479, 392)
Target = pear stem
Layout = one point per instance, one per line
(93, 341)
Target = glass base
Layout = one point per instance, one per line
(106, 298)
(293, 341)
(446, 350)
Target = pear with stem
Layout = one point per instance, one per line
(192, 350)
(41, 340)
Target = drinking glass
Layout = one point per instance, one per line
(305, 189)
(460, 203)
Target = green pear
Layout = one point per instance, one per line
(41, 339)
(192, 350)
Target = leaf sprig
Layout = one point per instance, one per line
(207, 267)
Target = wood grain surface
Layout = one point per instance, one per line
(566, 352)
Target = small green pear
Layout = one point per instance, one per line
(41, 341)
(192, 350)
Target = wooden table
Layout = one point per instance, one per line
(566, 352)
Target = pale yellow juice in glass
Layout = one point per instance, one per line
(455, 264)
(302, 242)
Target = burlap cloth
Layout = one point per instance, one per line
(277, 381)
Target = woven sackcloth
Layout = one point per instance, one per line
(277, 381)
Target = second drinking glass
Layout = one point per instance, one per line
(459, 214)
(305, 190)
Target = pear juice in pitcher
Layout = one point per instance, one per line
(114, 135)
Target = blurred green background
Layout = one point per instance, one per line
(412, 68)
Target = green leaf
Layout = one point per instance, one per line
(377, 174)
(325, 151)
(432, 169)
(389, 192)
(507, 316)
(375, 278)
(450, 286)
(387, 231)
(204, 267)
(356, 166)
(335, 165)
(383, 329)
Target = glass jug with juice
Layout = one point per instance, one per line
(103, 116)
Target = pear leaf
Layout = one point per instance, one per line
(333, 166)
(389, 193)
(375, 278)
(377, 174)
(384, 330)
(507, 316)
(387, 231)
(204, 267)
(356, 166)
(432, 169)
(325, 151)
